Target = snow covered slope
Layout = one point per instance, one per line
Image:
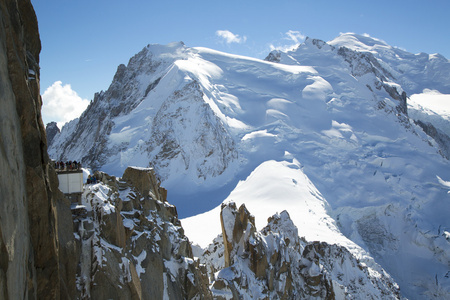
(322, 132)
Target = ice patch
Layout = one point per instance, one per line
(278, 103)
(139, 259)
(318, 90)
(128, 223)
(257, 134)
(445, 184)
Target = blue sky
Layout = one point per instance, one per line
(84, 41)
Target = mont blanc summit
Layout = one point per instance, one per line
(326, 131)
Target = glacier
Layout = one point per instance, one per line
(326, 131)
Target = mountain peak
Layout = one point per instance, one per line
(169, 50)
(357, 42)
(320, 44)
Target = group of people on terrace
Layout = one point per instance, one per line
(91, 179)
(74, 166)
(68, 165)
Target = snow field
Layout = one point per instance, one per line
(317, 134)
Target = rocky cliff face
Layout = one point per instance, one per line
(36, 242)
(51, 130)
(440, 137)
(362, 63)
(131, 244)
(275, 263)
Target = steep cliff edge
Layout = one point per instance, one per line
(131, 244)
(34, 249)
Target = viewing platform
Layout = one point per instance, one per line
(71, 183)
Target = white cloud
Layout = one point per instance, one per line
(230, 37)
(61, 104)
(295, 38)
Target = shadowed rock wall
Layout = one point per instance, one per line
(34, 250)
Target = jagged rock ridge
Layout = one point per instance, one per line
(131, 244)
(276, 264)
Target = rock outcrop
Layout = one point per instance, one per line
(362, 63)
(51, 130)
(440, 137)
(131, 242)
(36, 241)
(276, 264)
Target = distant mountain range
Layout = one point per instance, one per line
(325, 132)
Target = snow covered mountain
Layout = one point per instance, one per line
(323, 131)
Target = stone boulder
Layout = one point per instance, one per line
(145, 181)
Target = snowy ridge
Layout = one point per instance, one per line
(294, 193)
(413, 72)
(332, 117)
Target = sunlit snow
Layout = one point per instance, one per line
(314, 135)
